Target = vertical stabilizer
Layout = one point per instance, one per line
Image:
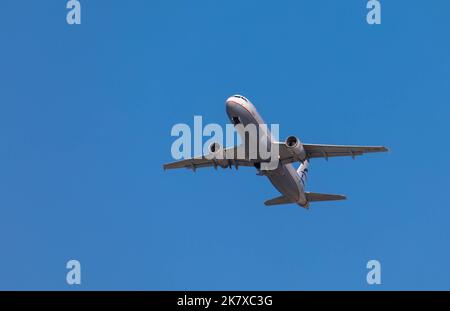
(303, 172)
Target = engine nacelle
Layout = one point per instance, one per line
(295, 148)
(215, 148)
(217, 154)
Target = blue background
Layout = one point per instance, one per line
(85, 119)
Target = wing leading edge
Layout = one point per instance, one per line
(325, 151)
(312, 151)
(208, 161)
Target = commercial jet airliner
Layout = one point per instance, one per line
(284, 177)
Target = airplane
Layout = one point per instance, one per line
(290, 182)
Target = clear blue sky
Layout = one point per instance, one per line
(85, 119)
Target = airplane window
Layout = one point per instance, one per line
(241, 97)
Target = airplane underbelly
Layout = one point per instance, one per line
(285, 183)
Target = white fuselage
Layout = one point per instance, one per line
(285, 178)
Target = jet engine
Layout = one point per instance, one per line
(295, 148)
(215, 148)
(217, 154)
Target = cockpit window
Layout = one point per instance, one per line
(241, 97)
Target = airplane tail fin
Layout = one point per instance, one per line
(312, 196)
(302, 171)
(316, 197)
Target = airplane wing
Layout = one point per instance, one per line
(327, 151)
(312, 151)
(205, 161)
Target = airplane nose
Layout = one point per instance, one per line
(229, 101)
(237, 99)
(236, 103)
(238, 109)
(229, 104)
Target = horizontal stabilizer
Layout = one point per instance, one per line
(278, 201)
(315, 197)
